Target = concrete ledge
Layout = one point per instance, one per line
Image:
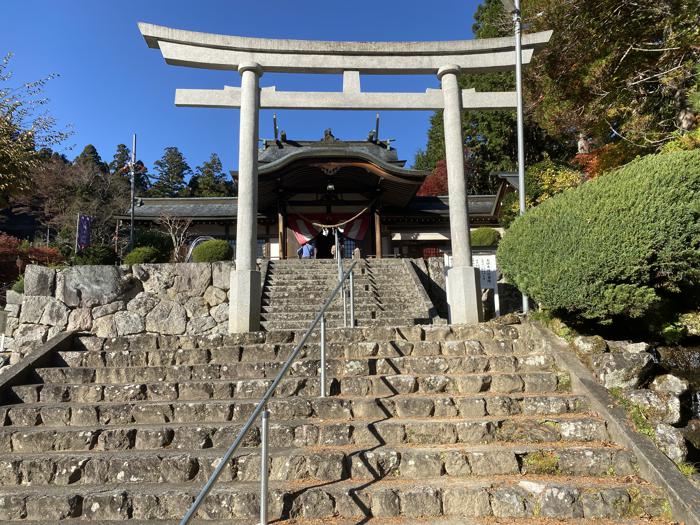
(20, 372)
(427, 302)
(654, 466)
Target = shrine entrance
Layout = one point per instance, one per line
(252, 57)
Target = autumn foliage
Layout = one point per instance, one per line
(435, 184)
(15, 255)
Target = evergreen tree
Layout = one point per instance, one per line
(210, 181)
(490, 137)
(121, 159)
(120, 166)
(90, 158)
(172, 171)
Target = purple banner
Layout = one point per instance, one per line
(84, 226)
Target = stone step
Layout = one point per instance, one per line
(284, 434)
(326, 464)
(336, 308)
(361, 314)
(504, 498)
(297, 325)
(109, 413)
(127, 352)
(368, 285)
(300, 368)
(379, 385)
(268, 352)
(397, 520)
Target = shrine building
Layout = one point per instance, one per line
(305, 188)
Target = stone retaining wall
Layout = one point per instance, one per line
(115, 301)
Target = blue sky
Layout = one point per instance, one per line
(112, 85)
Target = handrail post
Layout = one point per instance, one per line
(265, 427)
(352, 298)
(323, 356)
(345, 304)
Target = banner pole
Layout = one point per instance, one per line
(77, 232)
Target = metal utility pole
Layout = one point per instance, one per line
(132, 172)
(513, 7)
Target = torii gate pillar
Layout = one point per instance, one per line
(244, 306)
(464, 297)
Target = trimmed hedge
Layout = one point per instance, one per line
(142, 254)
(159, 240)
(485, 237)
(626, 244)
(212, 251)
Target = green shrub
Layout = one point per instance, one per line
(485, 237)
(18, 285)
(626, 244)
(155, 239)
(212, 251)
(142, 254)
(93, 255)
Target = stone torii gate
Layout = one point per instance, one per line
(254, 56)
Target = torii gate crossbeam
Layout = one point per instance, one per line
(253, 56)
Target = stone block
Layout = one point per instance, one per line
(39, 280)
(107, 309)
(80, 319)
(313, 504)
(493, 462)
(221, 274)
(200, 325)
(29, 335)
(168, 317)
(385, 504)
(53, 507)
(622, 369)
(104, 327)
(466, 502)
(12, 297)
(670, 440)
(106, 506)
(33, 309)
(661, 407)
(421, 464)
(561, 503)
(511, 502)
(88, 285)
(128, 323)
(670, 384)
(421, 502)
(214, 296)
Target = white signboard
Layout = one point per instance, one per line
(488, 275)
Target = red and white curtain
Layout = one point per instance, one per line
(304, 230)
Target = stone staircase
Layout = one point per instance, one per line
(439, 424)
(385, 294)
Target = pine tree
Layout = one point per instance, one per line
(172, 171)
(210, 181)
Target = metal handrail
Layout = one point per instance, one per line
(260, 407)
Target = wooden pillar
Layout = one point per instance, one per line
(377, 234)
(282, 230)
